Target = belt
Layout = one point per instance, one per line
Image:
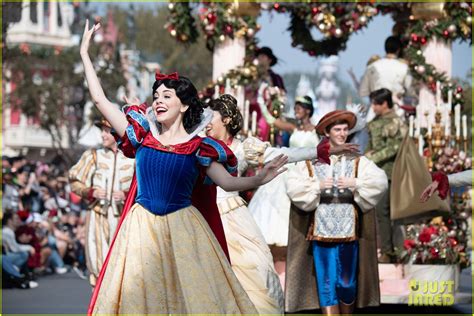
(230, 204)
(337, 200)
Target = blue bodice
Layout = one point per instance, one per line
(165, 180)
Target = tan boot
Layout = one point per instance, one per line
(346, 309)
(385, 258)
(331, 310)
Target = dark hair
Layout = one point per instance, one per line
(226, 105)
(188, 95)
(307, 104)
(267, 51)
(379, 96)
(6, 217)
(393, 45)
(337, 122)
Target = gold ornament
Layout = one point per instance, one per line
(246, 71)
(428, 10)
(465, 29)
(173, 33)
(246, 8)
(338, 32)
(240, 32)
(183, 37)
(222, 38)
(329, 19)
(469, 19)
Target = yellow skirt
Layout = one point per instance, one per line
(169, 264)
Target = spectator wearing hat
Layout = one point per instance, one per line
(332, 216)
(102, 177)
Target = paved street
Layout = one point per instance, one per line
(68, 294)
(56, 294)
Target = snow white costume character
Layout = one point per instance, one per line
(164, 257)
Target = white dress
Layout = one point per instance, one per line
(250, 256)
(270, 206)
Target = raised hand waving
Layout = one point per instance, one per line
(86, 37)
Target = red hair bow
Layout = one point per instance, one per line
(173, 76)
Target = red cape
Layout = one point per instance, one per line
(204, 199)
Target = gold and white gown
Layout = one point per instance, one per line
(250, 255)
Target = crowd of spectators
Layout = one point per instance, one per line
(43, 223)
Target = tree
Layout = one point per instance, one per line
(50, 88)
(155, 44)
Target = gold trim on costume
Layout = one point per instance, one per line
(230, 204)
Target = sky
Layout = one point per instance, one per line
(361, 46)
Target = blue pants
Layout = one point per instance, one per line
(9, 267)
(18, 259)
(55, 259)
(336, 271)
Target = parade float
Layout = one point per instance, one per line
(437, 235)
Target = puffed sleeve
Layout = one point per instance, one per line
(80, 175)
(211, 150)
(302, 189)
(371, 184)
(254, 150)
(138, 127)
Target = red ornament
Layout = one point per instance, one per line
(314, 10)
(453, 242)
(414, 37)
(433, 230)
(228, 29)
(423, 40)
(212, 18)
(312, 53)
(434, 253)
(425, 236)
(409, 244)
(459, 89)
(340, 10)
(276, 6)
(445, 33)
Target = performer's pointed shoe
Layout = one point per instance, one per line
(346, 309)
(331, 310)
